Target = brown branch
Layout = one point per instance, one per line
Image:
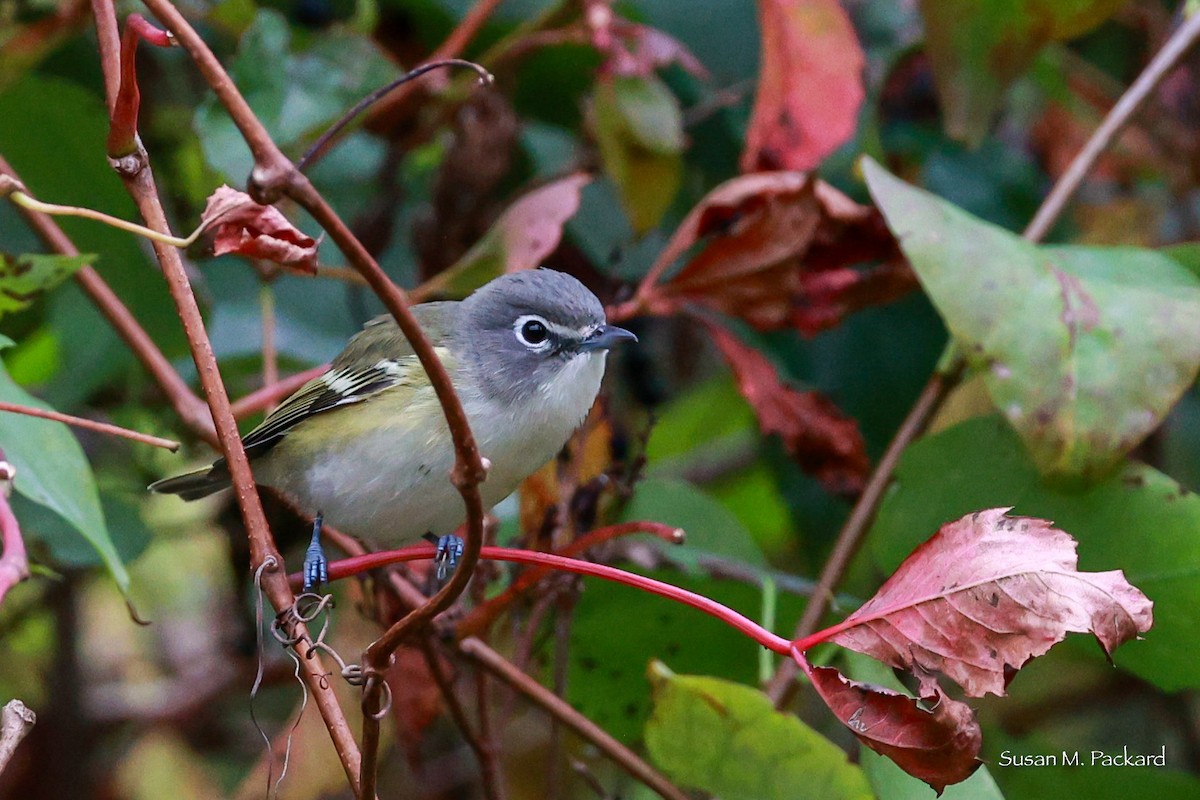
(14, 564)
(561, 710)
(1114, 122)
(274, 175)
(16, 721)
(141, 187)
(270, 355)
(451, 47)
(782, 686)
(191, 410)
(91, 425)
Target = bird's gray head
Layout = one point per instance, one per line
(536, 331)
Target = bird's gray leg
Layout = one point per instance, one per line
(449, 551)
(316, 566)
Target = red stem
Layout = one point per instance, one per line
(353, 566)
(122, 134)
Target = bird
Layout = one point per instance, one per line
(365, 446)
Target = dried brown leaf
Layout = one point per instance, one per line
(939, 746)
(765, 241)
(234, 223)
(818, 436)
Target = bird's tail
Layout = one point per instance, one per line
(194, 485)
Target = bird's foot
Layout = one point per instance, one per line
(316, 565)
(449, 550)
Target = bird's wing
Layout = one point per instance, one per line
(369, 365)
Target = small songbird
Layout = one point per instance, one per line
(365, 446)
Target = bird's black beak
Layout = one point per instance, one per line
(606, 337)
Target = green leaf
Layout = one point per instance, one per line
(23, 278)
(978, 49)
(1137, 520)
(58, 150)
(728, 740)
(303, 90)
(52, 471)
(712, 529)
(639, 129)
(1083, 349)
(616, 630)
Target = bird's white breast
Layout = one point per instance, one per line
(392, 485)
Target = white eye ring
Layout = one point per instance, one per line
(532, 331)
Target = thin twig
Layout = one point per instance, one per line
(16, 721)
(91, 425)
(321, 145)
(14, 563)
(1135, 96)
(489, 659)
(142, 188)
(267, 396)
(782, 686)
(191, 410)
(451, 47)
(270, 356)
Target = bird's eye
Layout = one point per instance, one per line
(533, 332)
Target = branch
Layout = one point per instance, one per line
(319, 147)
(1118, 117)
(274, 175)
(91, 425)
(782, 686)
(561, 710)
(16, 721)
(191, 409)
(142, 188)
(14, 564)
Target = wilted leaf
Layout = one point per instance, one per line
(775, 251)
(528, 231)
(978, 49)
(234, 223)
(987, 593)
(728, 740)
(639, 130)
(52, 471)
(1138, 518)
(810, 86)
(23, 278)
(939, 746)
(1085, 348)
(815, 432)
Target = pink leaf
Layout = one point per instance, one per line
(816, 433)
(811, 85)
(234, 223)
(987, 593)
(939, 746)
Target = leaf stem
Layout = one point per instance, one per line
(91, 425)
(53, 209)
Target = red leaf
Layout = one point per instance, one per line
(416, 698)
(816, 434)
(940, 746)
(987, 593)
(234, 223)
(766, 238)
(811, 85)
